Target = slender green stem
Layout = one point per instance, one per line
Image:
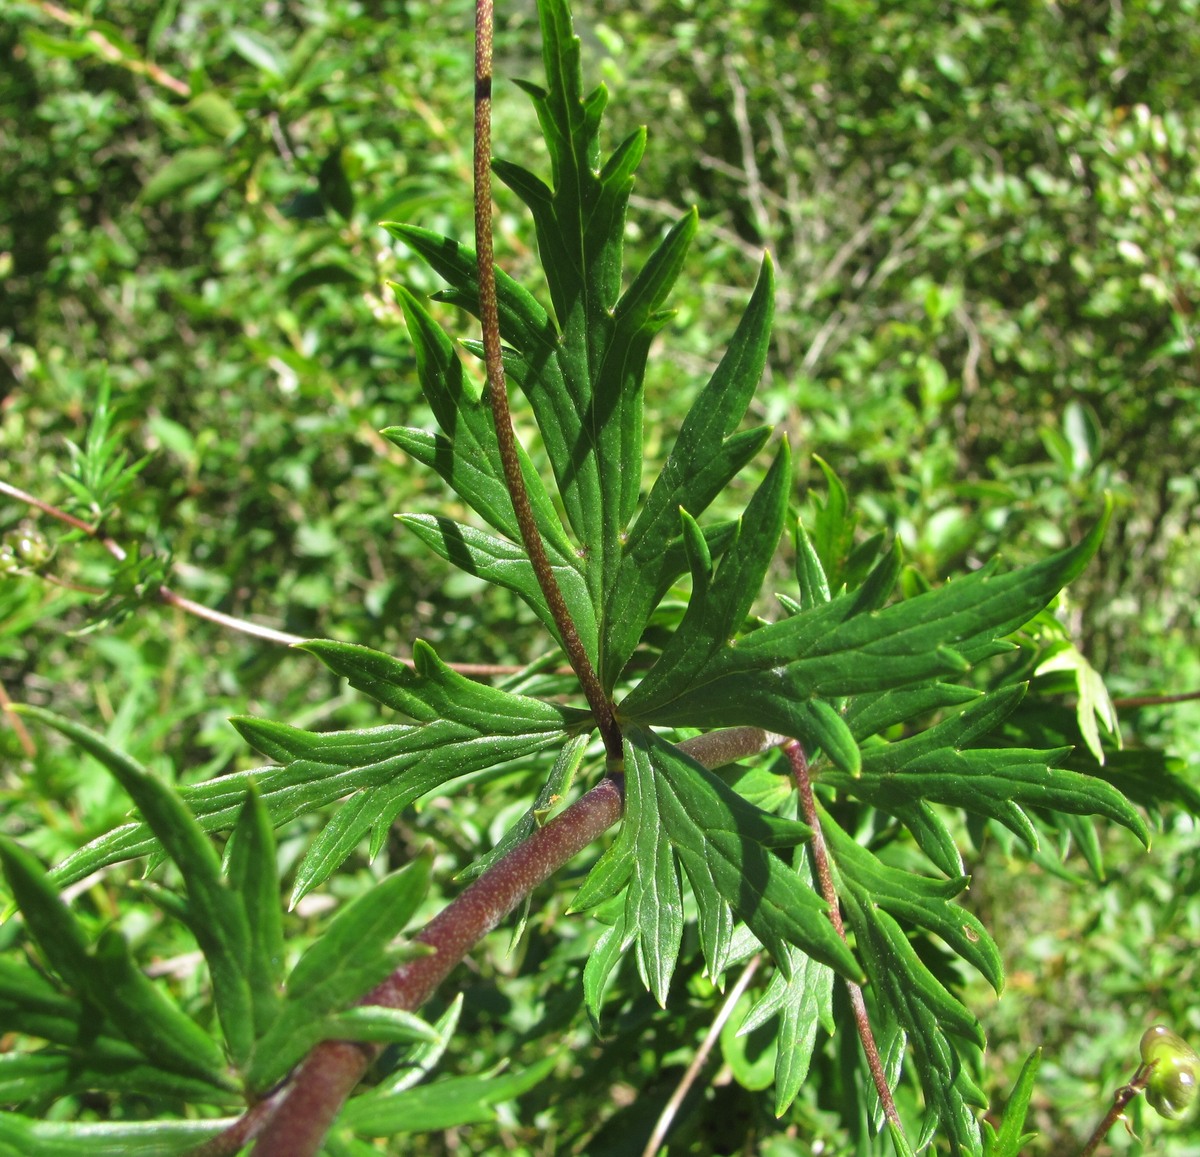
(489, 316)
(808, 808)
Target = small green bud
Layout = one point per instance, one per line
(1172, 1085)
(26, 547)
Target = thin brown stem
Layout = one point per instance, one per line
(808, 808)
(17, 724)
(1116, 1111)
(489, 317)
(663, 1125)
(111, 53)
(1155, 700)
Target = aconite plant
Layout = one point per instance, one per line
(790, 755)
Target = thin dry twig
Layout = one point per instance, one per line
(110, 52)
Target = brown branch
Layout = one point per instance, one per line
(489, 317)
(300, 1118)
(808, 806)
(293, 1121)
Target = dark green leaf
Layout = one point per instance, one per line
(769, 677)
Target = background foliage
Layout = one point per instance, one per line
(984, 220)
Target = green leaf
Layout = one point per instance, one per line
(259, 50)
(1011, 1139)
(328, 975)
(802, 999)
(917, 901)
(556, 787)
(908, 997)
(254, 876)
(719, 602)
(466, 455)
(420, 1060)
(770, 677)
(507, 565)
(52, 925)
(25, 1137)
(185, 169)
(106, 977)
(379, 1025)
(353, 955)
(214, 113)
(935, 766)
(677, 810)
(706, 456)
(216, 915)
(429, 691)
(147, 1018)
(441, 1105)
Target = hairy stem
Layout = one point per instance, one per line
(293, 1121)
(489, 317)
(808, 808)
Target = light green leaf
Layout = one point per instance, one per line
(1011, 1138)
(1094, 705)
(25, 1137)
(441, 1105)
(215, 914)
(186, 168)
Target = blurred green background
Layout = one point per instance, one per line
(986, 222)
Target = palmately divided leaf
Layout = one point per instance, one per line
(465, 454)
(768, 677)
(720, 601)
(400, 762)
(936, 766)
(802, 998)
(707, 454)
(678, 811)
(429, 691)
(916, 901)
(903, 994)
